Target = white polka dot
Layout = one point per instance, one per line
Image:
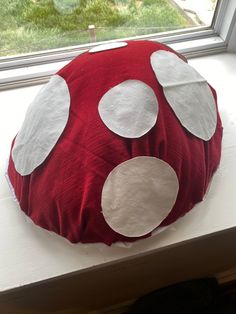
(108, 46)
(129, 109)
(138, 195)
(187, 92)
(45, 121)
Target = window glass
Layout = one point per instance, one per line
(34, 25)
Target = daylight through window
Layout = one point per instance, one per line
(34, 25)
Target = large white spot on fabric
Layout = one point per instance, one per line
(44, 122)
(129, 109)
(138, 195)
(187, 92)
(108, 46)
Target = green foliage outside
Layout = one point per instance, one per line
(33, 25)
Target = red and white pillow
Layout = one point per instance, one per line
(120, 142)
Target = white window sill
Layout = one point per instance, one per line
(30, 255)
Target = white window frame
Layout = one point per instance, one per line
(36, 68)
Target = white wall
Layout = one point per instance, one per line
(228, 29)
(232, 41)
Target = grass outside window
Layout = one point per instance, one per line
(35, 25)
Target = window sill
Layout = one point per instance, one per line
(31, 256)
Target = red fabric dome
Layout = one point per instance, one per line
(63, 193)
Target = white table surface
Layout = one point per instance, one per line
(29, 254)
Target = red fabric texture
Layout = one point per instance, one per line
(63, 194)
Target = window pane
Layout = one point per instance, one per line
(35, 25)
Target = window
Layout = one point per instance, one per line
(37, 25)
(39, 36)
